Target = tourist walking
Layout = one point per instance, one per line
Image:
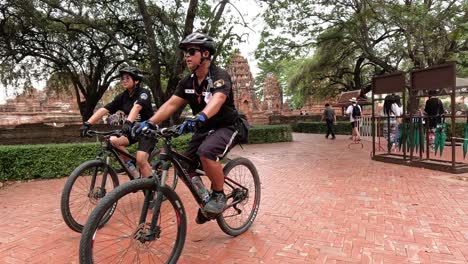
(354, 112)
(330, 118)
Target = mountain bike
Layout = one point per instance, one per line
(146, 229)
(93, 179)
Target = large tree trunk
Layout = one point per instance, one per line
(155, 76)
(174, 77)
(87, 107)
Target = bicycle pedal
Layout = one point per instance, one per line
(201, 218)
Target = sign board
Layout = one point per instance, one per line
(434, 78)
(389, 83)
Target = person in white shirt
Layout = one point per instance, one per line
(354, 111)
(392, 108)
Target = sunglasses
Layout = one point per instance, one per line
(191, 51)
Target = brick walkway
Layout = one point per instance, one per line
(321, 203)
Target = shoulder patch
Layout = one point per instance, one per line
(219, 83)
(143, 96)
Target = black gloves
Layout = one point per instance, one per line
(191, 123)
(127, 128)
(143, 127)
(84, 129)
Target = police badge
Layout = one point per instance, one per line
(219, 83)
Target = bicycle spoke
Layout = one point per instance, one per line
(125, 224)
(243, 191)
(78, 199)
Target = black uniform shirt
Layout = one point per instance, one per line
(124, 102)
(434, 107)
(198, 95)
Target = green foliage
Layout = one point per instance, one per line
(344, 128)
(27, 162)
(82, 42)
(353, 40)
(42, 161)
(279, 68)
(269, 134)
(85, 42)
(341, 128)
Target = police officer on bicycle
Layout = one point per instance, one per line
(135, 102)
(208, 91)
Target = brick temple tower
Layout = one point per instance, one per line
(243, 85)
(272, 95)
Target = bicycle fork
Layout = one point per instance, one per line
(101, 191)
(154, 231)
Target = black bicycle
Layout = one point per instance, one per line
(93, 179)
(146, 229)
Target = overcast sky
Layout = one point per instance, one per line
(252, 15)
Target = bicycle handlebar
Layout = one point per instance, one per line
(117, 133)
(166, 132)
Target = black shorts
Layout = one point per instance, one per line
(214, 144)
(354, 124)
(145, 143)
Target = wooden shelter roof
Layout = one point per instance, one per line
(343, 99)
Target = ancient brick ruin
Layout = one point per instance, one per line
(272, 95)
(243, 86)
(58, 109)
(36, 106)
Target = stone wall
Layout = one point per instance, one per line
(44, 134)
(13, 119)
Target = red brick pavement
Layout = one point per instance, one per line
(321, 203)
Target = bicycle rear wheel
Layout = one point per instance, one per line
(119, 241)
(79, 199)
(242, 188)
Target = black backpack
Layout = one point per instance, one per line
(356, 111)
(242, 126)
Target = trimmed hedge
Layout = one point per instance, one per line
(24, 162)
(341, 128)
(344, 128)
(42, 161)
(270, 134)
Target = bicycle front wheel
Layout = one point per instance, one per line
(121, 239)
(83, 190)
(242, 188)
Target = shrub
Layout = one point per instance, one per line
(43, 161)
(24, 162)
(341, 128)
(269, 134)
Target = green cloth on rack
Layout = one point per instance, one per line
(436, 139)
(443, 138)
(400, 136)
(423, 139)
(408, 142)
(416, 137)
(440, 137)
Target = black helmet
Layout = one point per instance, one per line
(199, 39)
(132, 71)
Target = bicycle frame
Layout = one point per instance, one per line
(169, 156)
(105, 150)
